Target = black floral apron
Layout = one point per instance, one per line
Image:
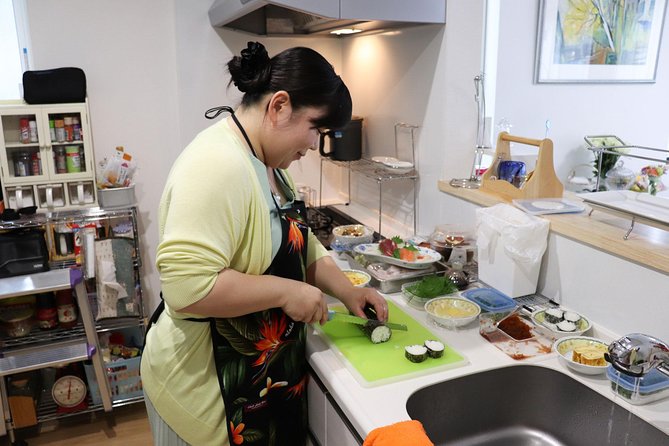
(260, 358)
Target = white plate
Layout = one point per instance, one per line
(429, 256)
(384, 159)
(655, 208)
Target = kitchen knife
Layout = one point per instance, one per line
(342, 317)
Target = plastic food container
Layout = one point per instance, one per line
(518, 349)
(491, 300)
(416, 301)
(119, 197)
(651, 387)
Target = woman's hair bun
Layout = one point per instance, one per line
(251, 71)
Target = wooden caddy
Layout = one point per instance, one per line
(542, 181)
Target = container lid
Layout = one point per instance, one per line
(489, 299)
(651, 382)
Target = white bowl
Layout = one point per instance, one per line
(357, 278)
(399, 166)
(582, 326)
(347, 236)
(564, 347)
(452, 312)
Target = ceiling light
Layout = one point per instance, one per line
(344, 31)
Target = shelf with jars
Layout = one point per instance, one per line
(46, 156)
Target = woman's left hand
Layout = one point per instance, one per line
(358, 298)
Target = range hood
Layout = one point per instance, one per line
(306, 17)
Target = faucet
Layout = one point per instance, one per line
(637, 354)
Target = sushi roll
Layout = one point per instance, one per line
(435, 349)
(572, 317)
(377, 333)
(566, 326)
(553, 315)
(415, 353)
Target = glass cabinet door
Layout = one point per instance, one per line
(67, 142)
(22, 149)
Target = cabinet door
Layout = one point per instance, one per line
(68, 151)
(22, 145)
(338, 428)
(316, 402)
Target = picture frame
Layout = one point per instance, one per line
(598, 41)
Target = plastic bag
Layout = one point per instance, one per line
(524, 237)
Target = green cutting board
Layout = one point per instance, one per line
(376, 364)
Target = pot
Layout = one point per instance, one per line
(345, 143)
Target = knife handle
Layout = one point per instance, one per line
(331, 314)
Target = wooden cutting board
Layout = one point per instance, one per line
(376, 364)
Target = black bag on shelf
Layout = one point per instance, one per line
(23, 251)
(55, 86)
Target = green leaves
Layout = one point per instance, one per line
(433, 286)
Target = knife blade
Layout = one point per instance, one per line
(343, 317)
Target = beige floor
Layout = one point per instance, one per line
(128, 426)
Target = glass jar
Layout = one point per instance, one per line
(22, 165)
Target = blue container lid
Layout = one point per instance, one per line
(489, 299)
(651, 382)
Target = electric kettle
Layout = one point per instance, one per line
(345, 143)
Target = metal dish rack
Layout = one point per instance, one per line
(612, 150)
(379, 173)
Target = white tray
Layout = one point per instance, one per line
(540, 206)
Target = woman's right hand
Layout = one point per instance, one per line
(305, 303)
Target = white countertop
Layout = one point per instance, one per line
(370, 407)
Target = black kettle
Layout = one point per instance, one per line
(345, 143)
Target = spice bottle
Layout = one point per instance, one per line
(60, 130)
(24, 127)
(52, 129)
(32, 127)
(69, 130)
(46, 311)
(72, 160)
(66, 308)
(36, 164)
(59, 158)
(76, 129)
(22, 164)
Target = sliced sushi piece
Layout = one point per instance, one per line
(553, 315)
(415, 353)
(550, 326)
(377, 333)
(571, 316)
(566, 326)
(435, 349)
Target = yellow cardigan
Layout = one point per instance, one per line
(213, 215)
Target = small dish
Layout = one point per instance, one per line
(358, 278)
(582, 325)
(399, 166)
(452, 312)
(347, 236)
(565, 348)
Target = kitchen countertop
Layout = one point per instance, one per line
(371, 407)
(646, 245)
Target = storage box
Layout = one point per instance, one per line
(652, 386)
(124, 380)
(119, 197)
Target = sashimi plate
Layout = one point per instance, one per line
(424, 257)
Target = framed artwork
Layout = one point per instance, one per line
(598, 40)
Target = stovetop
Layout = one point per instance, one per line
(323, 219)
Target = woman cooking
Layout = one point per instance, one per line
(241, 273)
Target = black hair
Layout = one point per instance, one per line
(308, 77)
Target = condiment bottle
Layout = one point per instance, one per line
(458, 276)
(67, 310)
(46, 313)
(36, 164)
(52, 129)
(22, 164)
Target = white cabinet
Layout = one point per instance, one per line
(46, 156)
(327, 423)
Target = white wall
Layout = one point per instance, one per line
(634, 112)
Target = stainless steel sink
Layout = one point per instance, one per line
(526, 405)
